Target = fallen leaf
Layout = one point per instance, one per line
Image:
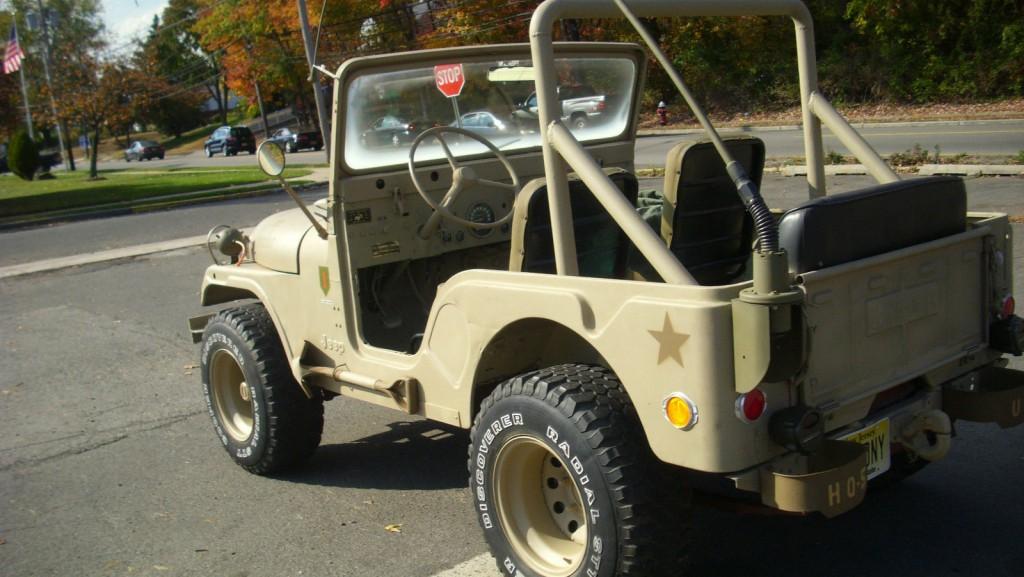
(191, 366)
(3, 541)
(393, 528)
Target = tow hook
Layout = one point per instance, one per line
(928, 434)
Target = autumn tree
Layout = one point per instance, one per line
(172, 51)
(258, 41)
(105, 97)
(74, 28)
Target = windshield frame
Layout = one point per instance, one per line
(357, 67)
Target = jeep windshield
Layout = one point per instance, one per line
(388, 110)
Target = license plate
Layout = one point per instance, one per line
(876, 439)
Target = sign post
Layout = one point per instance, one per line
(450, 79)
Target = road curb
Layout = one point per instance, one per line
(923, 170)
(789, 127)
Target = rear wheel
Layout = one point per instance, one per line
(264, 420)
(579, 121)
(564, 484)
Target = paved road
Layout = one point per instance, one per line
(1005, 138)
(109, 467)
(28, 245)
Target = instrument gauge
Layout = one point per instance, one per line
(482, 213)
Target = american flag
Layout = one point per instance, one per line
(13, 55)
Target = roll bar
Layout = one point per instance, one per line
(560, 147)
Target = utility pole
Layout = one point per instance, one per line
(259, 96)
(314, 77)
(69, 161)
(24, 89)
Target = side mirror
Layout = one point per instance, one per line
(271, 158)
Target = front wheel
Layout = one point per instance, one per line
(209, 153)
(564, 484)
(262, 417)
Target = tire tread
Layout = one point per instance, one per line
(652, 512)
(294, 421)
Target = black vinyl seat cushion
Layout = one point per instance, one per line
(602, 248)
(846, 227)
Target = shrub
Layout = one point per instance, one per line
(23, 156)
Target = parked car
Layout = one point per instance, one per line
(230, 140)
(296, 140)
(486, 124)
(143, 150)
(394, 131)
(48, 158)
(580, 105)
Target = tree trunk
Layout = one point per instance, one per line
(69, 147)
(223, 100)
(94, 151)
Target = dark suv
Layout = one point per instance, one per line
(230, 140)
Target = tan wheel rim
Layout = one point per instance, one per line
(231, 397)
(539, 507)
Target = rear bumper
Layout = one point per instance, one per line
(989, 395)
(834, 479)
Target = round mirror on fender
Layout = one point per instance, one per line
(271, 157)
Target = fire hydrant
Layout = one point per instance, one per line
(662, 113)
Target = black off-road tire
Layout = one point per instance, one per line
(636, 520)
(284, 425)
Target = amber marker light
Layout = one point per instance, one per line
(680, 411)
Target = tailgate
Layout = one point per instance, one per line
(880, 321)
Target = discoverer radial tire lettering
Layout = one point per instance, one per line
(642, 519)
(287, 425)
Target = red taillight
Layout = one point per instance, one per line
(601, 105)
(1008, 307)
(411, 127)
(750, 406)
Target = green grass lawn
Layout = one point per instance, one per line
(75, 190)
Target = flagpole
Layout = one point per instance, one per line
(24, 91)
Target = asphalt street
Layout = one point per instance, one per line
(1004, 138)
(1001, 138)
(109, 465)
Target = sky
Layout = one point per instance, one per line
(125, 19)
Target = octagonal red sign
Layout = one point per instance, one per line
(449, 79)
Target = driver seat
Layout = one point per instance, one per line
(602, 248)
(703, 220)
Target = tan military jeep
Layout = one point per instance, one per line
(493, 270)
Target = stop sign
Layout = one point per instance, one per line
(449, 79)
